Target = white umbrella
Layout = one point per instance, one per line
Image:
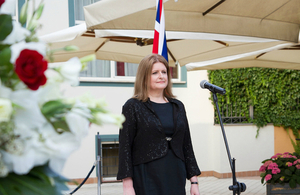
(268, 19)
(132, 45)
(284, 58)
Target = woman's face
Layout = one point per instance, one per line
(159, 77)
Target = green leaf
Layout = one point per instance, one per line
(5, 55)
(60, 126)
(297, 172)
(7, 73)
(292, 183)
(5, 26)
(279, 162)
(292, 168)
(54, 111)
(288, 172)
(274, 93)
(298, 180)
(39, 181)
(276, 177)
(55, 107)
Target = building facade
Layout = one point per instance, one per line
(207, 137)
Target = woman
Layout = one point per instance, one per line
(156, 154)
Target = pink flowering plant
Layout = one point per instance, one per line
(281, 168)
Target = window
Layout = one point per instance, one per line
(104, 70)
(78, 9)
(97, 68)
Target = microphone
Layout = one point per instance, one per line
(213, 88)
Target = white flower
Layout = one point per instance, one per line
(50, 91)
(29, 139)
(81, 109)
(18, 47)
(78, 124)
(31, 155)
(8, 7)
(18, 34)
(93, 102)
(14, 147)
(5, 110)
(5, 92)
(58, 147)
(52, 75)
(40, 146)
(3, 168)
(30, 113)
(77, 119)
(70, 71)
(106, 118)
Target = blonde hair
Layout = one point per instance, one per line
(142, 81)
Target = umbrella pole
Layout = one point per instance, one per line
(236, 187)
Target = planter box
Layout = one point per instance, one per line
(279, 189)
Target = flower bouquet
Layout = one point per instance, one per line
(39, 127)
(281, 168)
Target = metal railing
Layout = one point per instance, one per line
(232, 114)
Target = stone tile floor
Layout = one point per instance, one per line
(207, 186)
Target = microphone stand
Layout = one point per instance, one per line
(98, 173)
(236, 187)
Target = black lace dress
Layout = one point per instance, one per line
(166, 175)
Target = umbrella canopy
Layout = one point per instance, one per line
(268, 19)
(283, 58)
(132, 45)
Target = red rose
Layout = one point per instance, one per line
(1, 2)
(30, 67)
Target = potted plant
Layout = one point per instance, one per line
(281, 173)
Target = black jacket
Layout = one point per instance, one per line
(142, 138)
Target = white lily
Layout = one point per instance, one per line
(58, 147)
(51, 90)
(107, 118)
(77, 119)
(70, 71)
(3, 168)
(29, 114)
(5, 110)
(30, 157)
(92, 102)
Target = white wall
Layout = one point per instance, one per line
(200, 115)
(248, 150)
(55, 16)
(207, 138)
(81, 161)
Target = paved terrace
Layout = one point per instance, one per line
(207, 186)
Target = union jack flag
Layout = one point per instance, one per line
(159, 41)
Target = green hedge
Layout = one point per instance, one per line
(274, 94)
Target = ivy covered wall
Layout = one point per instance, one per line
(273, 93)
